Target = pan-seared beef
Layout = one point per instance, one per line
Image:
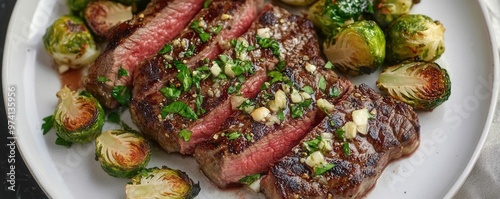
(247, 145)
(135, 40)
(222, 20)
(240, 70)
(327, 164)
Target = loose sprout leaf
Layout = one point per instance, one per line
(249, 179)
(185, 135)
(114, 117)
(180, 108)
(63, 142)
(48, 123)
(320, 170)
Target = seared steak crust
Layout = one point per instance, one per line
(244, 146)
(135, 40)
(393, 132)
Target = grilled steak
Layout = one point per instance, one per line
(223, 20)
(135, 40)
(327, 164)
(240, 70)
(248, 145)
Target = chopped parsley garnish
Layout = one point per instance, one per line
(216, 29)
(269, 43)
(185, 135)
(234, 89)
(333, 92)
(199, 103)
(329, 65)
(346, 149)
(180, 108)
(190, 51)
(184, 75)
(248, 137)
(166, 49)
(340, 133)
(233, 135)
(204, 36)
(248, 180)
(275, 76)
(122, 73)
(312, 145)
(322, 83)
(121, 94)
(298, 109)
(102, 79)
(321, 169)
(281, 115)
(170, 92)
(345, 146)
(281, 65)
(48, 123)
(308, 90)
(241, 67)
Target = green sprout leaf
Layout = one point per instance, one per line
(48, 123)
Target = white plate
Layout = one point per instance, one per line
(451, 136)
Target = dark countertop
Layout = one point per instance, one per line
(25, 184)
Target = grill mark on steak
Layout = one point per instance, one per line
(153, 73)
(167, 129)
(136, 40)
(392, 133)
(225, 159)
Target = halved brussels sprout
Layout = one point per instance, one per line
(78, 117)
(415, 36)
(103, 15)
(298, 2)
(122, 153)
(70, 43)
(386, 11)
(357, 49)
(330, 15)
(422, 85)
(162, 183)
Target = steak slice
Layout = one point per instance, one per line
(240, 70)
(135, 40)
(349, 168)
(247, 145)
(222, 20)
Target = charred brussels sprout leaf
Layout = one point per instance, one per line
(386, 11)
(332, 15)
(422, 85)
(415, 36)
(357, 49)
(162, 183)
(122, 153)
(78, 118)
(101, 16)
(70, 43)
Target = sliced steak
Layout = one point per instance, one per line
(247, 144)
(240, 70)
(135, 40)
(222, 20)
(345, 168)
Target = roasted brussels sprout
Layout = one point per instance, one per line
(70, 43)
(414, 36)
(78, 117)
(298, 2)
(162, 183)
(122, 153)
(386, 11)
(77, 6)
(101, 16)
(331, 15)
(357, 49)
(422, 85)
